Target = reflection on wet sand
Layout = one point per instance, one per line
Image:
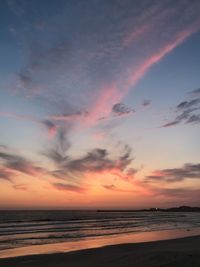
(99, 242)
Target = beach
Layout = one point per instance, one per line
(20, 229)
(184, 252)
(89, 238)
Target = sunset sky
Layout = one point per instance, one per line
(99, 104)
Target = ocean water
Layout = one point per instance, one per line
(27, 228)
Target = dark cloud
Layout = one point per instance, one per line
(186, 112)
(58, 152)
(188, 171)
(146, 103)
(185, 116)
(96, 160)
(51, 127)
(131, 172)
(188, 104)
(172, 123)
(5, 175)
(194, 119)
(9, 157)
(61, 174)
(14, 162)
(49, 124)
(68, 169)
(195, 92)
(110, 187)
(120, 109)
(69, 187)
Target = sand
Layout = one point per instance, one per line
(183, 252)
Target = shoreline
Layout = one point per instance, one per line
(98, 242)
(184, 252)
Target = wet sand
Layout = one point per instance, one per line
(183, 252)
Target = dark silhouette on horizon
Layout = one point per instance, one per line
(173, 209)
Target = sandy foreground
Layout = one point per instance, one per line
(183, 252)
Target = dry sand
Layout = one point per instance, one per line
(183, 252)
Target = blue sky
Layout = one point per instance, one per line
(99, 100)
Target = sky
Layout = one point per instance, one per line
(99, 104)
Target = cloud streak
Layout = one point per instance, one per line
(184, 194)
(116, 92)
(188, 171)
(187, 112)
(105, 54)
(5, 175)
(112, 187)
(69, 188)
(12, 163)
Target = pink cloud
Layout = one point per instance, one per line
(116, 91)
(156, 57)
(108, 96)
(52, 132)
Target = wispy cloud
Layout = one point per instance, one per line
(195, 93)
(184, 194)
(188, 171)
(187, 112)
(73, 171)
(146, 103)
(80, 72)
(22, 187)
(97, 160)
(69, 187)
(12, 162)
(51, 127)
(105, 71)
(112, 187)
(119, 109)
(117, 91)
(5, 175)
(59, 149)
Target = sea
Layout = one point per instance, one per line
(28, 228)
